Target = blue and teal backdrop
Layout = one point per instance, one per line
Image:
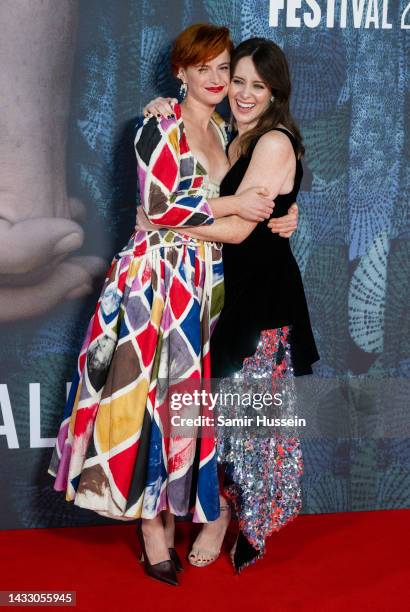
(351, 97)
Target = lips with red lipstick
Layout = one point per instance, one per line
(215, 89)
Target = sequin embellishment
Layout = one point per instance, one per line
(262, 473)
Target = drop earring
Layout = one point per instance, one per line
(272, 99)
(183, 90)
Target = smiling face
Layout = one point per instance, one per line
(249, 95)
(208, 82)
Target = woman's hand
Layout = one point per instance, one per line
(286, 225)
(254, 204)
(161, 107)
(143, 222)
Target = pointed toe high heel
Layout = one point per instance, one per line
(164, 571)
(176, 560)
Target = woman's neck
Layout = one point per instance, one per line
(196, 112)
(242, 128)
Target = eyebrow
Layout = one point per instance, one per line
(219, 65)
(236, 76)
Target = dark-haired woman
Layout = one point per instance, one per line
(264, 328)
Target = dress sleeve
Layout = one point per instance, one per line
(168, 199)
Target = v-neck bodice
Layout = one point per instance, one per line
(174, 186)
(220, 128)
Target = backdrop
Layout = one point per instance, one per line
(75, 79)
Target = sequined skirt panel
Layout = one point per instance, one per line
(261, 472)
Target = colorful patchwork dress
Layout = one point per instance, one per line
(162, 295)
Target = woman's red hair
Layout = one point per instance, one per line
(198, 44)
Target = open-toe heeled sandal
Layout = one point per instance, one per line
(200, 557)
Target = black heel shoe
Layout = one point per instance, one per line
(164, 571)
(176, 560)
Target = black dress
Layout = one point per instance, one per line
(263, 334)
(263, 287)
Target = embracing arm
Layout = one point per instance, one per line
(251, 204)
(232, 229)
(222, 207)
(166, 199)
(170, 200)
(275, 147)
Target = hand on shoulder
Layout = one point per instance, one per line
(160, 108)
(151, 125)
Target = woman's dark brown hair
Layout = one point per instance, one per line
(271, 65)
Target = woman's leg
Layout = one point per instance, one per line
(157, 561)
(154, 539)
(169, 528)
(208, 543)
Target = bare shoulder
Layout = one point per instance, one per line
(274, 143)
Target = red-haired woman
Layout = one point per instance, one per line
(264, 332)
(162, 294)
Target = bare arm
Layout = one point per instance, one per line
(274, 147)
(251, 206)
(232, 229)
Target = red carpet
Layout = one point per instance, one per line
(334, 562)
